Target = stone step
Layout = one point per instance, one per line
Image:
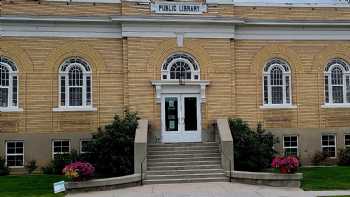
(189, 155)
(185, 176)
(204, 147)
(183, 167)
(171, 152)
(193, 171)
(184, 163)
(193, 180)
(184, 159)
(183, 144)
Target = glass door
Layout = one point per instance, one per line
(190, 113)
(181, 118)
(171, 113)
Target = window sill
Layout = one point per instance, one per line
(278, 106)
(11, 109)
(335, 106)
(74, 109)
(15, 167)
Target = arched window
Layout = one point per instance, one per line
(8, 83)
(75, 83)
(276, 83)
(180, 66)
(337, 82)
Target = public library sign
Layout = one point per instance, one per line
(178, 8)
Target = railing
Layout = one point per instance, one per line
(141, 168)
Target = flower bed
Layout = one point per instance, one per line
(78, 171)
(286, 165)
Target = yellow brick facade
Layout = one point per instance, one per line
(123, 68)
(234, 69)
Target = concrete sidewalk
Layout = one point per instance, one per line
(214, 189)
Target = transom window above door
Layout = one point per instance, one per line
(337, 82)
(277, 89)
(180, 66)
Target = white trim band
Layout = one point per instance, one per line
(87, 1)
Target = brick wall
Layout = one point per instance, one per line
(38, 76)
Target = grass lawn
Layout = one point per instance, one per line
(326, 178)
(29, 186)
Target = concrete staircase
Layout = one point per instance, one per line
(184, 162)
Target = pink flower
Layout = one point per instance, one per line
(290, 162)
(84, 169)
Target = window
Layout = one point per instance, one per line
(277, 83)
(75, 83)
(290, 145)
(85, 146)
(347, 140)
(14, 153)
(328, 145)
(337, 82)
(180, 66)
(8, 84)
(60, 147)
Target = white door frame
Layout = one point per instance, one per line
(181, 135)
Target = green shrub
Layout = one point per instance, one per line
(318, 158)
(112, 148)
(3, 168)
(253, 150)
(31, 166)
(344, 157)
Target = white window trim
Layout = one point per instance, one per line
(328, 73)
(297, 147)
(335, 105)
(74, 109)
(53, 148)
(10, 107)
(285, 74)
(65, 74)
(278, 106)
(345, 141)
(15, 154)
(81, 145)
(335, 144)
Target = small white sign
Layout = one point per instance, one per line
(59, 187)
(178, 8)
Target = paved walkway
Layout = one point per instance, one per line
(220, 189)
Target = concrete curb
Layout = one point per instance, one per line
(103, 183)
(269, 179)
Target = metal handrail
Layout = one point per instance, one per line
(144, 158)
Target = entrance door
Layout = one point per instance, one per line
(181, 118)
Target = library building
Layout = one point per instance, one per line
(68, 66)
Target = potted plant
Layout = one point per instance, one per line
(79, 171)
(289, 164)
